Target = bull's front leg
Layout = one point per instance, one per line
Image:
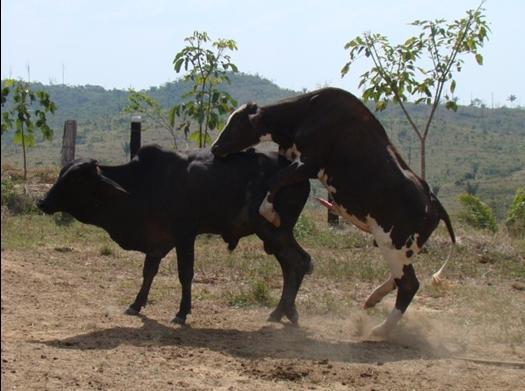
(185, 261)
(295, 172)
(150, 269)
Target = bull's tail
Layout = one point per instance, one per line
(443, 215)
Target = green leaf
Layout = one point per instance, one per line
(178, 64)
(451, 105)
(452, 86)
(345, 69)
(195, 137)
(479, 59)
(381, 105)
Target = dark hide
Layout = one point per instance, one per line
(161, 200)
(329, 134)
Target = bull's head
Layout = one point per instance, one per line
(80, 190)
(240, 132)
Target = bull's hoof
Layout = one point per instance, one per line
(380, 332)
(310, 267)
(293, 318)
(131, 311)
(179, 320)
(275, 317)
(369, 303)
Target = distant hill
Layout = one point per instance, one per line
(479, 149)
(90, 103)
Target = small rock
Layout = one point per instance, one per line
(519, 286)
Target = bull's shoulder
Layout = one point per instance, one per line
(152, 154)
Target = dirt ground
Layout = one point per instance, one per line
(63, 327)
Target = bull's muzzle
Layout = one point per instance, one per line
(45, 206)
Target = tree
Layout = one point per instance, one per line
(206, 67)
(23, 118)
(512, 98)
(152, 111)
(401, 71)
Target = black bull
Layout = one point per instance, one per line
(161, 200)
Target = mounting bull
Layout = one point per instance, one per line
(329, 134)
(161, 200)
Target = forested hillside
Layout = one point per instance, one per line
(476, 149)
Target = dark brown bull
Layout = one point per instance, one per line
(330, 135)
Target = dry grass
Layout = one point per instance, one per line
(64, 288)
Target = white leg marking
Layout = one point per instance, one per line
(268, 212)
(396, 259)
(382, 330)
(381, 291)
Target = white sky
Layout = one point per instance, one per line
(296, 44)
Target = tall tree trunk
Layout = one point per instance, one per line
(422, 142)
(24, 153)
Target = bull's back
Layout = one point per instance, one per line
(227, 191)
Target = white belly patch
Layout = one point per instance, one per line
(396, 258)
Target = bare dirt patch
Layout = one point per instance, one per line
(63, 327)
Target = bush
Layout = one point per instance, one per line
(8, 188)
(476, 213)
(515, 221)
(257, 294)
(16, 201)
(106, 251)
(304, 227)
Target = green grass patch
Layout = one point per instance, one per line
(256, 293)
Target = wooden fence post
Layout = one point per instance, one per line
(68, 142)
(134, 141)
(333, 219)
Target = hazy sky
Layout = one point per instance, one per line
(296, 44)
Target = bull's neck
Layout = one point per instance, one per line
(125, 175)
(281, 120)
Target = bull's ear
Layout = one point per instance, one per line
(112, 186)
(251, 108)
(254, 115)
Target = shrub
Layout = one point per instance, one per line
(257, 294)
(515, 221)
(476, 213)
(16, 201)
(304, 227)
(8, 187)
(106, 250)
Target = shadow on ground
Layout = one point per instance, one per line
(268, 341)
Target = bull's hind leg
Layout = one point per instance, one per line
(295, 263)
(381, 291)
(401, 272)
(150, 269)
(407, 286)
